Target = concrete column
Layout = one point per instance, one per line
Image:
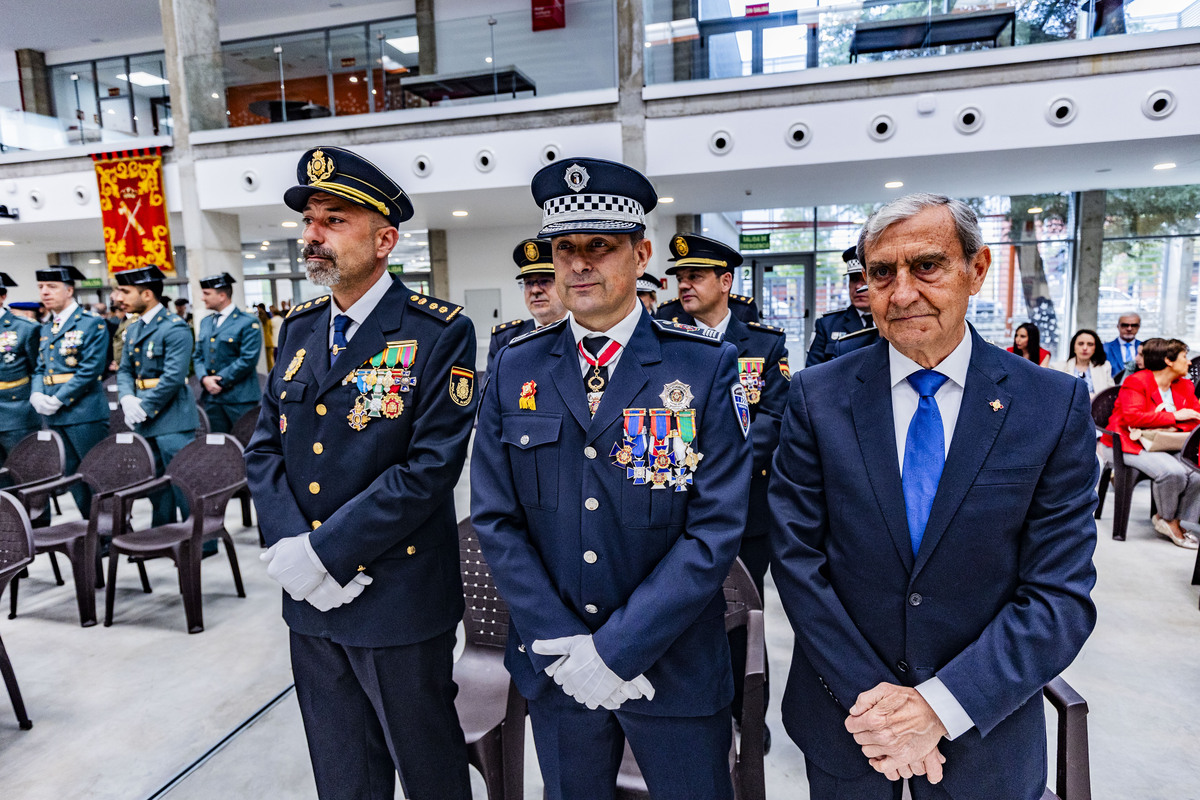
(439, 265)
(631, 108)
(684, 52)
(219, 250)
(426, 38)
(35, 82)
(192, 42)
(1089, 241)
(687, 223)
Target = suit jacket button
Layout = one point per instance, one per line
(590, 452)
(902, 666)
(283, 394)
(914, 599)
(318, 448)
(591, 609)
(764, 472)
(314, 488)
(590, 556)
(591, 504)
(320, 409)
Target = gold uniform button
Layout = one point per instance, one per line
(318, 448)
(590, 452)
(314, 488)
(590, 556)
(320, 409)
(283, 394)
(591, 504)
(412, 550)
(316, 524)
(764, 472)
(591, 609)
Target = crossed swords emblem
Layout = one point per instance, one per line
(131, 218)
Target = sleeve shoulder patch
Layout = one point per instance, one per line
(688, 331)
(759, 326)
(439, 309)
(536, 332)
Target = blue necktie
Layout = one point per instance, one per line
(924, 454)
(340, 324)
(1128, 352)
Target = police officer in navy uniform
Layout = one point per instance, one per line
(835, 325)
(71, 358)
(608, 488)
(18, 362)
(740, 305)
(226, 355)
(536, 273)
(152, 385)
(647, 291)
(360, 441)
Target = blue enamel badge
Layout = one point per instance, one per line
(741, 407)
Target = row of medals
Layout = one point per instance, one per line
(658, 446)
(70, 345)
(380, 391)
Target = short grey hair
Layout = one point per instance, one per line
(966, 224)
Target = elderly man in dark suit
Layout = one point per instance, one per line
(1122, 350)
(933, 534)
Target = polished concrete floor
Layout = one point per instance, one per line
(143, 710)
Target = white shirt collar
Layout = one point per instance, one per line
(225, 312)
(953, 366)
(720, 327)
(149, 315)
(66, 313)
(363, 307)
(621, 333)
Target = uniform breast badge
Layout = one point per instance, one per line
(527, 399)
(294, 366)
(380, 380)
(283, 423)
(750, 373)
(8, 343)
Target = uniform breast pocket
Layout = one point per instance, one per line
(533, 454)
(290, 392)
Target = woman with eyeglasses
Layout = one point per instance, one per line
(1027, 343)
(1087, 362)
(1161, 396)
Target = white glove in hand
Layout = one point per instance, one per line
(53, 404)
(329, 594)
(44, 404)
(635, 689)
(584, 675)
(294, 565)
(134, 413)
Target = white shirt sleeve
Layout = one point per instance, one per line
(948, 709)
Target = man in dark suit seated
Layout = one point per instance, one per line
(1123, 349)
(835, 325)
(933, 534)
(536, 273)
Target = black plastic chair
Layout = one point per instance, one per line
(243, 429)
(37, 459)
(1102, 408)
(1124, 476)
(490, 709)
(16, 551)
(1189, 456)
(743, 608)
(209, 472)
(203, 426)
(120, 461)
(1072, 780)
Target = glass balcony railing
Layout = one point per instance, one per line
(734, 39)
(25, 131)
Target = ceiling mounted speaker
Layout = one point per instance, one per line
(1061, 111)
(250, 180)
(968, 120)
(1159, 104)
(485, 160)
(550, 153)
(36, 198)
(798, 135)
(720, 142)
(422, 166)
(881, 128)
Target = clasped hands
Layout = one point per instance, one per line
(898, 732)
(294, 565)
(45, 404)
(132, 408)
(583, 675)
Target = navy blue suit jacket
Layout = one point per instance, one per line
(504, 333)
(652, 595)
(381, 498)
(995, 603)
(1115, 353)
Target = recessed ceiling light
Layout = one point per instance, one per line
(93, 261)
(216, 96)
(264, 247)
(289, 224)
(6, 244)
(704, 230)
(1165, 165)
(422, 244)
(354, 79)
(893, 184)
(459, 213)
(666, 199)
(143, 79)
(487, 60)
(1036, 210)
(299, 241)
(265, 242)
(248, 255)
(408, 236)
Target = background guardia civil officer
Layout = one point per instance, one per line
(18, 362)
(72, 355)
(226, 355)
(152, 379)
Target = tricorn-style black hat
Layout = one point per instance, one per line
(6, 282)
(690, 250)
(144, 276)
(62, 274)
(533, 257)
(222, 280)
(591, 195)
(350, 176)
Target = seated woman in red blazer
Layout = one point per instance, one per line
(1027, 341)
(1161, 396)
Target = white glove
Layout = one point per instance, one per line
(329, 594)
(584, 675)
(44, 404)
(134, 413)
(294, 565)
(635, 689)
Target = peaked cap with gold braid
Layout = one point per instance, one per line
(348, 175)
(690, 250)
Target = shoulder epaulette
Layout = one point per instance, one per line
(434, 307)
(307, 305)
(689, 331)
(760, 326)
(856, 334)
(505, 325)
(669, 302)
(536, 332)
(741, 298)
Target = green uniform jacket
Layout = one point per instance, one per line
(230, 353)
(78, 349)
(18, 361)
(161, 349)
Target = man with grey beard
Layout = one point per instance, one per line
(362, 436)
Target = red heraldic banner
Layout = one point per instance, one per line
(548, 15)
(133, 208)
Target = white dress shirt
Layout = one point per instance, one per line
(904, 405)
(362, 307)
(720, 327)
(222, 315)
(65, 314)
(619, 333)
(149, 315)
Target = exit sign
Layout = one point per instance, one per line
(754, 241)
(758, 9)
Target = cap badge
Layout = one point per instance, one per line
(577, 178)
(531, 251)
(681, 247)
(320, 167)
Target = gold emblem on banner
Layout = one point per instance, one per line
(320, 166)
(531, 251)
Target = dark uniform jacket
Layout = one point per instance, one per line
(829, 329)
(78, 349)
(18, 362)
(853, 341)
(230, 352)
(504, 333)
(380, 498)
(576, 547)
(154, 367)
(741, 306)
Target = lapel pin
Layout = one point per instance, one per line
(528, 393)
(996, 405)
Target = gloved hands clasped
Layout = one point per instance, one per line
(45, 404)
(295, 566)
(132, 407)
(582, 673)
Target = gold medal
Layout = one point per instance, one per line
(71, 361)
(392, 406)
(359, 416)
